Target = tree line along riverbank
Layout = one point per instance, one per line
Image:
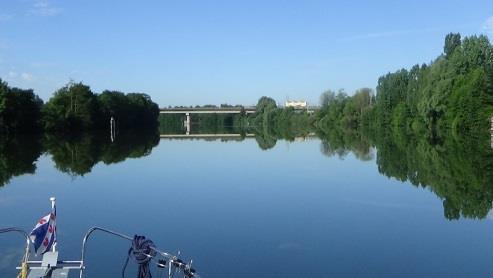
(427, 125)
(73, 109)
(452, 95)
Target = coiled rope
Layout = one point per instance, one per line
(142, 252)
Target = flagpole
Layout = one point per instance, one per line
(53, 200)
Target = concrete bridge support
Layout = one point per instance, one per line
(187, 123)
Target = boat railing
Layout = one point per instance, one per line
(168, 260)
(172, 261)
(23, 233)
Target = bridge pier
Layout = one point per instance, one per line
(187, 123)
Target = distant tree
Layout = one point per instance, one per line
(114, 104)
(326, 98)
(452, 41)
(19, 110)
(362, 98)
(143, 112)
(72, 108)
(265, 104)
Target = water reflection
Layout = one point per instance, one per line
(18, 156)
(340, 143)
(458, 171)
(75, 156)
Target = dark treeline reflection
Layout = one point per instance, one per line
(458, 170)
(75, 155)
(18, 156)
(338, 142)
(202, 124)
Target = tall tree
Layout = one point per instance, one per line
(72, 108)
(452, 41)
(327, 97)
(19, 110)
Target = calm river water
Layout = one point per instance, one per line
(240, 211)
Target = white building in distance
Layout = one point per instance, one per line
(295, 103)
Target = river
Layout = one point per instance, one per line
(300, 208)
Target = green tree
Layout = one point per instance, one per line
(19, 110)
(73, 108)
(326, 98)
(452, 41)
(265, 104)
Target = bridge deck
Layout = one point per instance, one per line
(225, 135)
(207, 110)
(223, 110)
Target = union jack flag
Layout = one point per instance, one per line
(43, 235)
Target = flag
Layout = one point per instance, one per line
(43, 236)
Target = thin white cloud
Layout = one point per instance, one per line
(44, 8)
(488, 25)
(27, 76)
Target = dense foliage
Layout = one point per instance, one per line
(76, 108)
(452, 94)
(271, 122)
(19, 110)
(72, 108)
(343, 111)
(429, 125)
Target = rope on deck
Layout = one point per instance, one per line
(142, 252)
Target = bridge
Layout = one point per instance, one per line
(220, 110)
(207, 110)
(224, 136)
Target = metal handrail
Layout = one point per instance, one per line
(24, 233)
(172, 258)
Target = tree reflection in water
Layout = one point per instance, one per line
(458, 170)
(75, 155)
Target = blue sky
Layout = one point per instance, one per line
(210, 52)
